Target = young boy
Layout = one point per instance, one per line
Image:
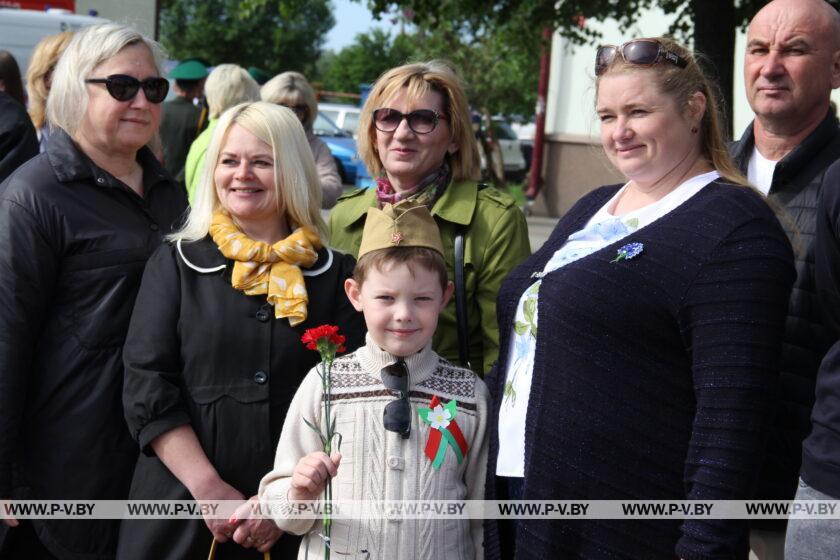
(400, 284)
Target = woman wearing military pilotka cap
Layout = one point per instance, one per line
(416, 136)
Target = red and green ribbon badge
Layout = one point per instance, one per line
(444, 433)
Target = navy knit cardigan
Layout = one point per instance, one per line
(654, 378)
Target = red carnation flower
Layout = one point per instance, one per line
(324, 339)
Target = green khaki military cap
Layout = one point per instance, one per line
(402, 225)
(260, 76)
(190, 69)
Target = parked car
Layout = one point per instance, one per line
(343, 148)
(512, 156)
(346, 117)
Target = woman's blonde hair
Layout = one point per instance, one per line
(295, 179)
(292, 88)
(417, 80)
(42, 64)
(682, 84)
(228, 85)
(89, 47)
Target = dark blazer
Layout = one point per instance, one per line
(653, 377)
(821, 449)
(797, 183)
(178, 128)
(200, 352)
(18, 140)
(73, 244)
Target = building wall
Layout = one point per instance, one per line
(569, 170)
(140, 14)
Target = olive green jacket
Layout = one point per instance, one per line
(495, 241)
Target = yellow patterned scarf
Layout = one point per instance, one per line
(260, 268)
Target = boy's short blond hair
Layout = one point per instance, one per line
(383, 259)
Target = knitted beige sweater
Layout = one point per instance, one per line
(379, 465)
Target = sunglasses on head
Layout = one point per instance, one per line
(421, 121)
(397, 414)
(641, 52)
(124, 88)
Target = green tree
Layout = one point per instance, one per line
(712, 24)
(275, 35)
(365, 59)
(500, 79)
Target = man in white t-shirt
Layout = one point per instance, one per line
(791, 65)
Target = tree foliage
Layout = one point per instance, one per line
(364, 60)
(275, 35)
(498, 79)
(710, 24)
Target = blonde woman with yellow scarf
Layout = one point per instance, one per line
(213, 355)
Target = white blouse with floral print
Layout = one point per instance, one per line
(601, 230)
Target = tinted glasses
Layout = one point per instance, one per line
(421, 121)
(641, 52)
(124, 88)
(300, 110)
(397, 415)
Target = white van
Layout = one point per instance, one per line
(21, 30)
(345, 116)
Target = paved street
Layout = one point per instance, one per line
(539, 229)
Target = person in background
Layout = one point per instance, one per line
(227, 85)
(213, 355)
(791, 65)
(39, 79)
(415, 135)
(77, 224)
(181, 122)
(259, 75)
(10, 80)
(18, 140)
(640, 344)
(291, 90)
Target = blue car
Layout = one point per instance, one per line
(343, 148)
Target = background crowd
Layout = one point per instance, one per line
(675, 338)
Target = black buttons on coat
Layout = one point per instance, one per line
(154, 227)
(263, 315)
(260, 377)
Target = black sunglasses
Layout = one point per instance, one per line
(641, 52)
(421, 121)
(397, 414)
(124, 88)
(300, 110)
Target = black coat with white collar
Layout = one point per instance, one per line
(200, 352)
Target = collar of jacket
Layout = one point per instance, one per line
(204, 257)
(456, 204)
(799, 156)
(71, 164)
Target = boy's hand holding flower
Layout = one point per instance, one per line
(311, 474)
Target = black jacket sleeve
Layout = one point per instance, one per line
(18, 141)
(152, 353)
(29, 265)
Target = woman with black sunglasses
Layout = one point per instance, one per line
(640, 344)
(77, 224)
(416, 136)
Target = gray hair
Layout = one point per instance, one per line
(292, 88)
(229, 85)
(90, 47)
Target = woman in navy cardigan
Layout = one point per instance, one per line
(639, 345)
